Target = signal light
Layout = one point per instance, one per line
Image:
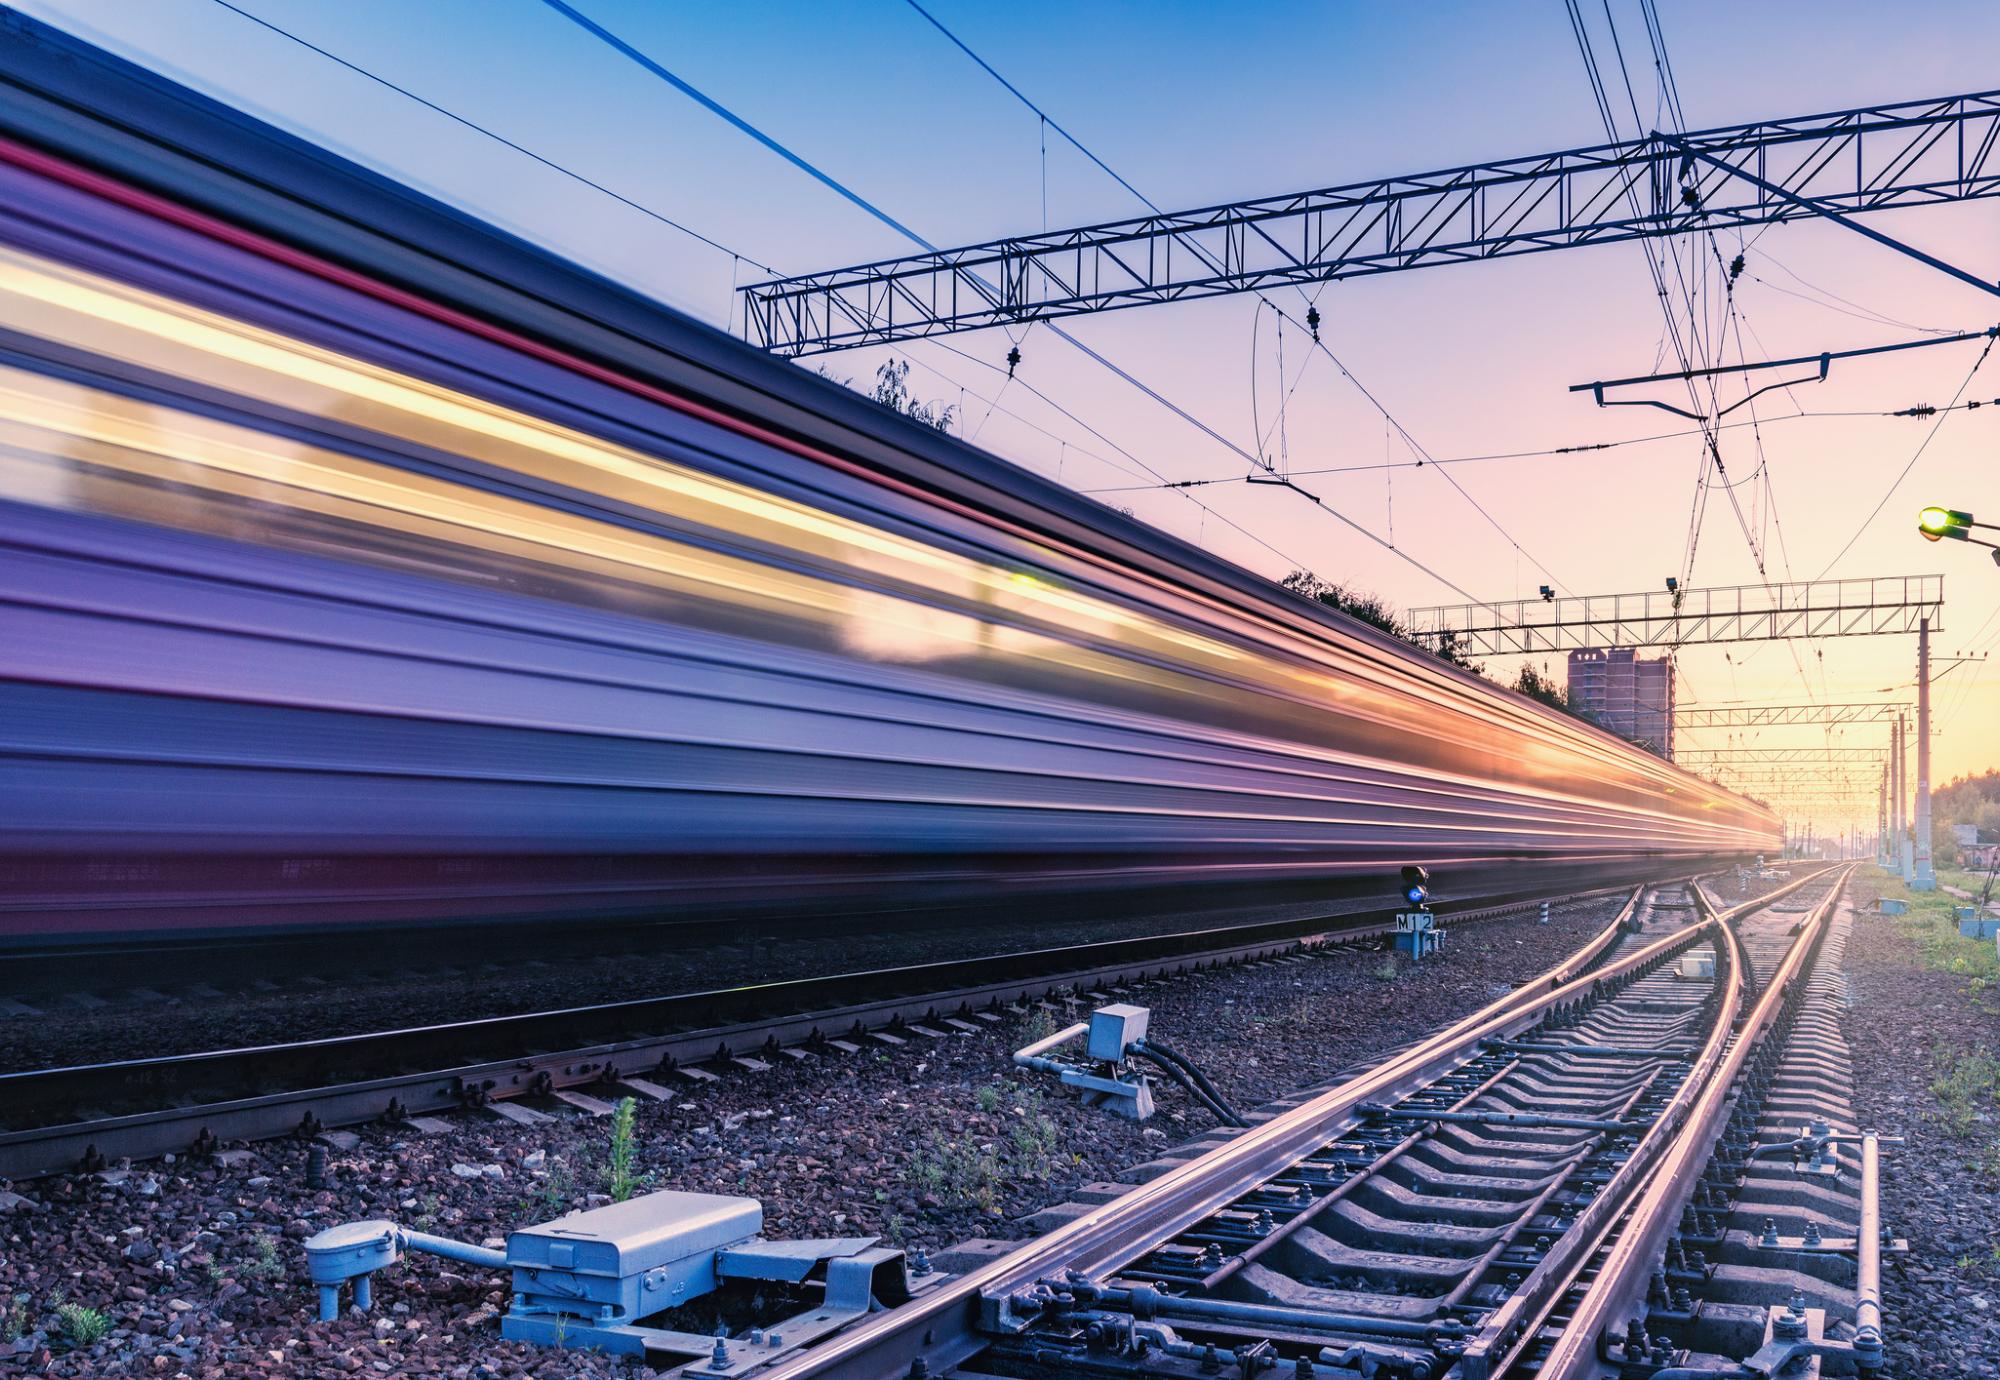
(1937, 523)
(1416, 885)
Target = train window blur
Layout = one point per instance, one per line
(708, 560)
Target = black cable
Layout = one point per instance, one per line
(1153, 1049)
(1180, 1076)
(1264, 300)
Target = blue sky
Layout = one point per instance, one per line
(1195, 104)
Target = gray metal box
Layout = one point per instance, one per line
(640, 1234)
(1114, 1027)
(1698, 965)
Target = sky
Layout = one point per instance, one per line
(1195, 104)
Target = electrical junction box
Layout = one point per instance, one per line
(1700, 964)
(1115, 1028)
(635, 1257)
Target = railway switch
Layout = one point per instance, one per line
(591, 1279)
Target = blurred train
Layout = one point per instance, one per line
(363, 565)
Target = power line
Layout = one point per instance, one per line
(622, 47)
(1911, 463)
(1256, 460)
(624, 200)
(497, 138)
(716, 108)
(1046, 118)
(1919, 410)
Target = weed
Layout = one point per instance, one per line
(264, 1262)
(1932, 922)
(620, 1177)
(1038, 1025)
(427, 1212)
(1034, 1137)
(1967, 1087)
(16, 1321)
(958, 1173)
(1967, 1262)
(83, 1326)
(551, 1200)
(894, 1229)
(988, 1098)
(1389, 971)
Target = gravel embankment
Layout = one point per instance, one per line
(363, 986)
(195, 1267)
(1927, 1067)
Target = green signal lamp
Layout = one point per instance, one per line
(1938, 523)
(1935, 524)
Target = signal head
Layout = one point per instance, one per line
(1416, 884)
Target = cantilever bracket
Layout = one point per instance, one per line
(1283, 483)
(1597, 392)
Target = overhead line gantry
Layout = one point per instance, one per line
(1697, 716)
(1834, 165)
(1675, 618)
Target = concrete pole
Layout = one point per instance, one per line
(1925, 879)
(1882, 818)
(1903, 859)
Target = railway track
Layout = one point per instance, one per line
(61, 1119)
(1505, 1196)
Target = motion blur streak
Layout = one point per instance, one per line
(316, 610)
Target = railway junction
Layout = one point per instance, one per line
(540, 837)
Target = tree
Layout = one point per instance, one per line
(1373, 611)
(892, 390)
(1543, 689)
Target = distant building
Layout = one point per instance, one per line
(1966, 834)
(1631, 697)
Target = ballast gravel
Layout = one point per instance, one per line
(1911, 1027)
(193, 1268)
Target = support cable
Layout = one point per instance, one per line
(1911, 463)
(497, 138)
(620, 46)
(735, 254)
(1263, 299)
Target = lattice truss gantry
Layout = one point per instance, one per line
(1869, 159)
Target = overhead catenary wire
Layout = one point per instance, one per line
(650, 65)
(1440, 462)
(1911, 463)
(1259, 459)
(736, 255)
(494, 135)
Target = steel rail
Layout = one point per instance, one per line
(1625, 1272)
(943, 1327)
(694, 1028)
(1513, 1325)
